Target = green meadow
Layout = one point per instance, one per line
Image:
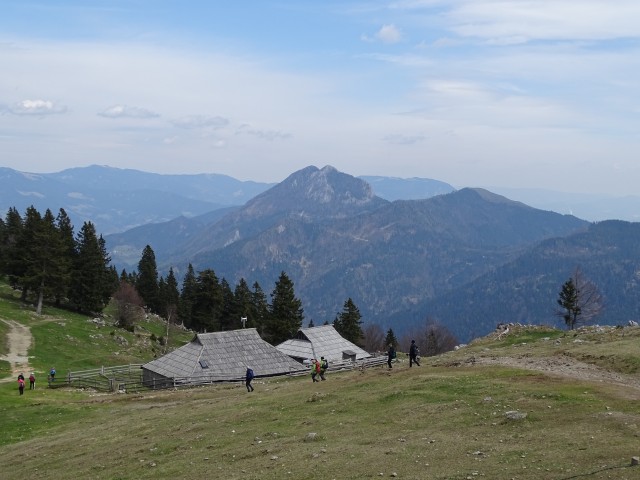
(454, 417)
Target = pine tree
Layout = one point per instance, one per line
(187, 298)
(207, 307)
(65, 231)
(228, 321)
(243, 305)
(391, 339)
(147, 282)
(286, 313)
(579, 299)
(12, 265)
(348, 323)
(89, 271)
(260, 309)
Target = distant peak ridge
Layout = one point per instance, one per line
(327, 185)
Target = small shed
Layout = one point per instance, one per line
(323, 341)
(218, 356)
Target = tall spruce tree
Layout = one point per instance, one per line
(13, 266)
(65, 231)
(187, 298)
(207, 307)
(147, 281)
(242, 304)
(260, 309)
(89, 271)
(227, 320)
(348, 323)
(286, 313)
(391, 339)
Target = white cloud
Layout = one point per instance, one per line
(201, 121)
(517, 21)
(270, 135)
(125, 111)
(389, 34)
(36, 107)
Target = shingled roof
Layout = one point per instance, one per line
(323, 341)
(223, 355)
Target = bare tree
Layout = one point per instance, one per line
(580, 300)
(129, 305)
(373, 338)
(438, 339)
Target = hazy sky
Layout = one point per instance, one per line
(517, 93)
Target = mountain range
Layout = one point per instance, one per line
(467, 258)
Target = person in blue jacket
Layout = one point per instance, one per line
(248, 378)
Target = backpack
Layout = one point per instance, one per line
(325, 364)
(393, 354)
(250, 374)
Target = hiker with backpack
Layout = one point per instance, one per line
(248, 378)
(391, 355)
(413, 354)
(324, 364)
(32, 381)
(315, 369)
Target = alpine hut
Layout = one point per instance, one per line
(217, 357)
(323, 341)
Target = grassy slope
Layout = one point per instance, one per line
(434, 421)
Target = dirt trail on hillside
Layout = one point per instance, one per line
(19, 340)
(566, 367)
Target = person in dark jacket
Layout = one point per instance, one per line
(413, 354)
(391, 354)
(248, 378)
(324, 364)
(32, 381)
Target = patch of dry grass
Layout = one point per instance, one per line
(426, 422)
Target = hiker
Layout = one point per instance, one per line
(315, 369)
(324, 364)
(391, 354)
(247, 379)
(21, 384)
(52, 374)
(413, 354)
(32, 381)
(21, 377)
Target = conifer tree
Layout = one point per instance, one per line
(391, 339)
(207, 307)
(89, 271)
(147, 281)
(187, 297)
(227, 319)
(286, 313)
(65, 231)
(243, 305)
(260, 309)
(12, 265)
(348, 322)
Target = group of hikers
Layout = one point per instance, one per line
(414, 354)
(32, 380)
(21, 382)
(318, 368)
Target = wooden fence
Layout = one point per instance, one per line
(128, 378)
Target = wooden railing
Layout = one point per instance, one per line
(128, 378)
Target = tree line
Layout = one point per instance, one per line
(206, 303)
(42, 257)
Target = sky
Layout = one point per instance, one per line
(512, 93)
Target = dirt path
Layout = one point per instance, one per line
(19, 340)
(566, 367)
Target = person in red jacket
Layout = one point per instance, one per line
(32, 381)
